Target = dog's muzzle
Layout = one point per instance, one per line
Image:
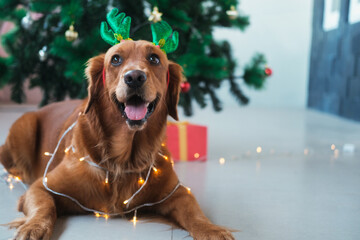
(135, 78)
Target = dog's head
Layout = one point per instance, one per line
(138, 80)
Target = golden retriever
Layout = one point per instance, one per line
(119, 129)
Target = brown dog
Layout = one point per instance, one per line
(121, 127)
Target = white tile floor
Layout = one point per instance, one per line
(280, 193)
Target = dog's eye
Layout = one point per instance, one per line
(116, 60)
(154, 59)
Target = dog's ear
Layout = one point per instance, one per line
(93, 73)
(173, 91)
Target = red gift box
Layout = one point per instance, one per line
(187, 142)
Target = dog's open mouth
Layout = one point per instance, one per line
(136, 110)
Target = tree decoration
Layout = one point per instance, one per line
(27, 21)
(43, 53)
(155, 15)
(232, 13)
(71, 35)
(185, 87)
(164, 37)
(120, 27)
(268, 71)
(110, 6)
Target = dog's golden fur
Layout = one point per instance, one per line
(103, 133)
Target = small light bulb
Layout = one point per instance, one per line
(166, 157)
(188, 189)
(126, 201)
(45, 179)
(11, 186)
(106, 216)
(333, 146)
(67, 149)
(107, 177)
(163, 144)
(258, 149)
(196, 155)
(47, 154)
(155, 169)
(8, 179)
(17, 179)
(134, 220)
(141, 181)
(81, 159)
(97, 214)
(222, 161)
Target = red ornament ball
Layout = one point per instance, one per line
(185, 87)
(268, 71)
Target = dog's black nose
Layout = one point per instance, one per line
(135, 78)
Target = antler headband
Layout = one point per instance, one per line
(163, 35)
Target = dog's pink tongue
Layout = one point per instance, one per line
(136, 112)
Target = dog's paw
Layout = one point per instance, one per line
(16, 223)
(211, 232)
(31, 229)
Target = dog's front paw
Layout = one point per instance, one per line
(31, 229)
(208, 231)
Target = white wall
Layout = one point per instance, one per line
(281, 29)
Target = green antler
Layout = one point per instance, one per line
(164, 36)
(119, 27)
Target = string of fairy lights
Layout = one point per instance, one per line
(152, 169)
(10, 179)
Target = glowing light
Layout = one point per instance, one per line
(81, 159)
(166, 157)
(134, 220)
(126, 201)
(9, 179)
(45, 179)
(11, 186)
(107, 177)
(47, 154)
(67, 149)
(97, 214)
(333, 147)
(106, 216)
(258, 149)
(306, 151)
(172, 163)
(188, 189)
(222, 161)
(196, 155)
(163, 144)
(17, 179)
(141, 181)
(155, 170)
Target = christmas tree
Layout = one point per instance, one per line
(52, 40)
